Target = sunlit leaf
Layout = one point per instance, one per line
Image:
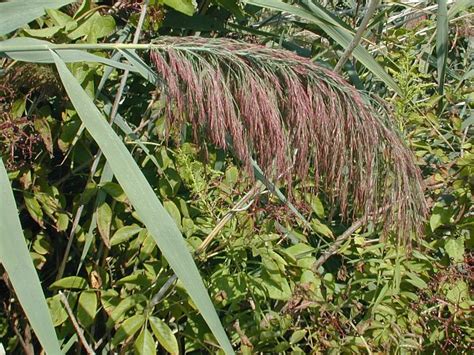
(16, 13)
(164, 335)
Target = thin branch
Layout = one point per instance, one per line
(341, 239)
(76, 326)
(239, 207)
(336, 245)
(358, 36)
(162, 291)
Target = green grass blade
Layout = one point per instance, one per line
(16, 13)
(141, 66)
(143, 198)
(335, 29)
(67, 55)
(16, 260)
(442, 32)
(259, 174)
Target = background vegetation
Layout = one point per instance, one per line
(282, 276)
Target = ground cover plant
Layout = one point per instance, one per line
(256, 176)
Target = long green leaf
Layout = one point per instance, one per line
(16, 13)
(67, 55)
(335, 29)
(16, 260)
(442, 42)
(140, 66)
(143, 198)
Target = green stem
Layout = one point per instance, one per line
(83, 46)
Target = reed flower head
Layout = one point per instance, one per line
(286, 111)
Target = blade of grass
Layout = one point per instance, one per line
(140, 66)
(109, 175)
(259, 174)
(442, 31)
(158, 222)
(67, 55)
(16, 260)
(16, 13)
(358, 36)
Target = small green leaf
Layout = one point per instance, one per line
(129, 327)
(416, 280)
(439, 217)
(124, 234)
(42, 126)
(231, 176)
(297, 336)
(164, 335)
(70, 282)
(104, 221)
(115, 191)
(59, 18)
(87, 308)
(173, 211)
(95, 27)
(145, 344)
(57, 311)
(43, 32)
(18, 107)
(119, 311)
(42, 245)
(317, 206)
(62, 222)
(458, 295)
(147, 247)
(455, 249)
(34, 208)
(321, 228)
(187, 7)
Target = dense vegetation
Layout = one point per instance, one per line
(350, 231)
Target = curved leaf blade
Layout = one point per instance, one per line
(67, 55)
(16, 13)
(16, 260)
(442, 32)
(158, 222)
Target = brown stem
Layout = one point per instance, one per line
(76, 326)
(341, 239)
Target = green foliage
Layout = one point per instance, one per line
(371, 296)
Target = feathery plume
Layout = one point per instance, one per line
(286, 111)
